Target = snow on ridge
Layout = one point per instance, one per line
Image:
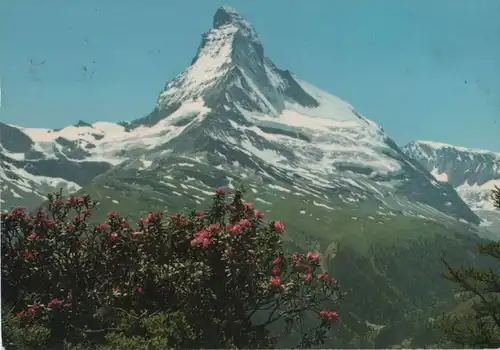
(108, 140)
(332, 107)
(72, 133)
(338, 134)
(212, 61)
(26, 180)
(441, 145)
(478, 197)
(439, 176)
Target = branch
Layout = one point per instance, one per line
(467, 286)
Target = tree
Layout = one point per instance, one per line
(477, 322)
(213, 279)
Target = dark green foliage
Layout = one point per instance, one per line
(213, 279)
(476, 323)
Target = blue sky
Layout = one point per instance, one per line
(403, 64)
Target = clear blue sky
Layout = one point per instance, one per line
(401, 63)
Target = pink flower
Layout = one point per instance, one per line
(275, 270)
(323, 276)
(124, 223)
(17, 212)
(296, 257)
(274, 281)
(21, 314)
(313, 256)
(329, 315)
(245, 223)
(199, 214)
(307, 268)
(112, 214)
(33, 309)
(206, 242)
(202, 237)
(259, 214)
(51, 223)
(279, 226)
(32, 236)
(72, 201)
(220, 191)
(213, 227)
(116, 291)
(54, 303)
(101, 227)
(308, 278)
(85, 212)
(83, 200)
(113, 236)
(277, 260)
(234, 229)
(248, 206)
(29, 254)
(139, 290)
(202, 234)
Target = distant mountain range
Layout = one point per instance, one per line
(473, 173)
(233, 117)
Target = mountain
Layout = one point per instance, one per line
(34, 162)
(341, 185)
(234, 110)
(473, 173)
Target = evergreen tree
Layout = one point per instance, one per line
(476, 323)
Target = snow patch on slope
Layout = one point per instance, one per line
(339, 135)
(441, 177)
(213, 60)
(438, 145)
(110, 142)
(478, 197)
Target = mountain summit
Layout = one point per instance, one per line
(233, 117)
(227, 15)
(230, 65)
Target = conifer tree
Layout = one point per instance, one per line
(476, 323)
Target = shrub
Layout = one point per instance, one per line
(212, 279)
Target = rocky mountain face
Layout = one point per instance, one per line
(473, 173)
(233, 109)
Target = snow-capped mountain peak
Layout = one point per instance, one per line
(231, 44)
(227, 16)
(234, 111)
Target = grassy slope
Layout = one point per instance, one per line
(387, 264)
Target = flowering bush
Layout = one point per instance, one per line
(212, 279)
